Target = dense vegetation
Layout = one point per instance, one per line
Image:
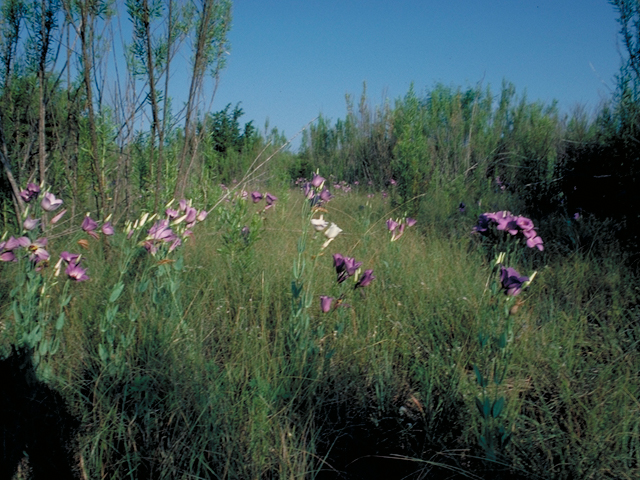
(235, 315)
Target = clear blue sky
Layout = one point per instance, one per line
(293, 59)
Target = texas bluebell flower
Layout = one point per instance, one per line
(89, 225)
(317, 181)
(50, 202)
(31, 223)
(365, 279)
(76, 272)
(107, 228)
(325, 303)
(30, 193)
(512, 282)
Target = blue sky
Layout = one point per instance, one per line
(293, 59)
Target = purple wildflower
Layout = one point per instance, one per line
(70, 257)
(30, 193)
(392, 224)
(512, 281)
(30, 223)
(524, 223)
(535, 242)
(191, 215)
(411, 222)
(325, 195)
(271, 199)
(14, 243)
(317, 181)
(76, 272)
(325, 303)
(57, 218)
(8, 256)
(351, 266)
(202, 215)
(307, 190)
(160, 231)
(171, 213)
(50, 202)
(89, 225)
(38, 252)
(398, 233)
(256, 197)
(107, 228)
(366, 278)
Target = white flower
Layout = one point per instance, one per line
(332, 232)
(319, 223)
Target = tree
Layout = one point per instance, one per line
(213, 21)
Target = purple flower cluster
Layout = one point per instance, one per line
(347, 267)
(269, 198)
(8, 248)
(513, 224)
(397, 227)
(162, 233)
(74, 270)
(36, 249)
(315, 191)
(89, 225)
(30, 192)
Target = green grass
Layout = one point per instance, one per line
(219, 389)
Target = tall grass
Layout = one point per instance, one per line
(212, 386)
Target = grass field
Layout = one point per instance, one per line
(215, 360)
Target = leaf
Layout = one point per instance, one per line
(115, 294)
(179, 264)
(481, 380)
(60, 321)
(486, 408)
(142, 286)
(16, 313)
(44, 347)
(479, 404)
(54, 346)
(502, 341)
(104, 356)
(497, 407)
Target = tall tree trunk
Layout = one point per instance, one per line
(165, 107)
(211, 32)
(86, 37)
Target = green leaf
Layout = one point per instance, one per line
(497, 407)
(479, 404)
(142, 286)
(502, 341)
(481, 380)
(486, 408)
(44, 347)
(60, 321)
(179, 264)
(16, 313)
(104, 356)
(117, 290)
(54, 346)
